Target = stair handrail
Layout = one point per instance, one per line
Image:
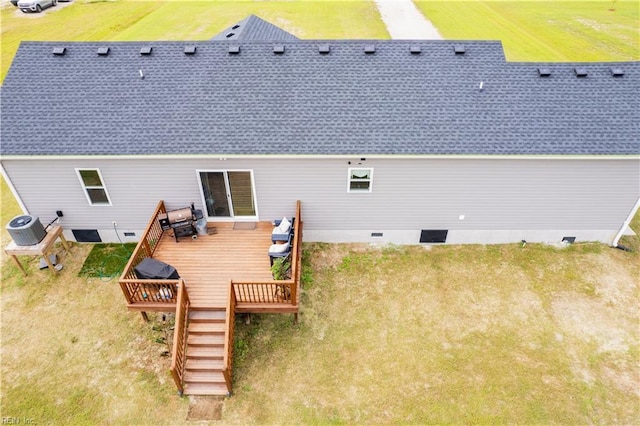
(227, 360)
(179, 348)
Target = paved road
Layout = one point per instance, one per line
(405, 21)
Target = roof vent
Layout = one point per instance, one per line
(544, 72)
(369, 49)
(415, 50)
(103, 51)
(146, 50)
(190, 50)
(278, 49)
(581, 72)
(459, 49)
(616, 71)
(324, 49)
(234, 50)
(230, 35)
(59, 51)
(235, 27)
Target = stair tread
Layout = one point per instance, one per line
(206, 327)
(205, 315)
(205, 389)
(205, 339)
(203, 364)
(213, 352)
(197, 376)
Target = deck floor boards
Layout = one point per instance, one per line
(208, 263)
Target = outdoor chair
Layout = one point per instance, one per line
(280, 250)
(283, 230)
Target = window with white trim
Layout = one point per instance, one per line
(360, 179)
(93, 185)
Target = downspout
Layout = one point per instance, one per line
(626, 223)
(13, 189)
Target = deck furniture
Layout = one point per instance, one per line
(277, 250)
(283, 230)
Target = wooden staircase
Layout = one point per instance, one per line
(205, 352)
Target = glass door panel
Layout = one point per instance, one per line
(214, 190)
(241, 190)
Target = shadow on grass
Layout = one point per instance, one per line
(107, 260)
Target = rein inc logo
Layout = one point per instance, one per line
(18, 421)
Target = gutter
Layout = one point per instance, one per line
(626, 223)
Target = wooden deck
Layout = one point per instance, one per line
(207, 263)
(222, 273)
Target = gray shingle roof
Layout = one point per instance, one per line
(304, 102)
(253, 28)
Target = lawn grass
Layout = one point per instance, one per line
(73, 354)
(127, 20)
(460, 334)
(107, 260)
(543, 30)
(455, 334)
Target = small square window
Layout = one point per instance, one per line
(360, 179)
(93, 185)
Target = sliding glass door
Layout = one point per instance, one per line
(228, 194)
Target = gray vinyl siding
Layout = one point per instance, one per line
(407, 194)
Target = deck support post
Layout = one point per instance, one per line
(145, 317)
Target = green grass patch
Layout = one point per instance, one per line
(543, 30)
(107, 260)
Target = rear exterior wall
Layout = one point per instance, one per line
(478, 200)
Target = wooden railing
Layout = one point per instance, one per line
(274, 292)
(147, 292)
(227, 362)
(151, 291)
(179, 349)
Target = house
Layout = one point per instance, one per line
(402, 142)
(382, 140)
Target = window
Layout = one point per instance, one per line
(360, 180)
(94, 189)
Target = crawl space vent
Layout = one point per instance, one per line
(190, 50)
(59, 51)
(369, 49)
(376, 234)
(544, 72)
(235, 27)
(433, 236)
(103, 51)
(146, 50)
(415, 50)
(230, 35)
(581, 72)
(278, 49)
(86, 235)
(324, 49)
(234, 50)
(616, 72)
(459, 49)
